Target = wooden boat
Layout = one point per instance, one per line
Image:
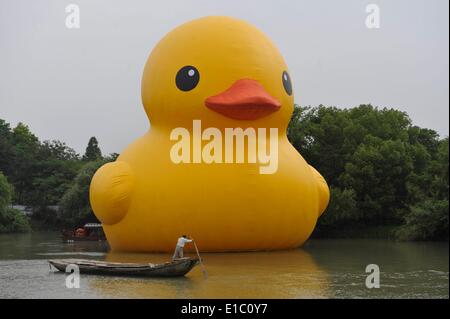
(175, 268)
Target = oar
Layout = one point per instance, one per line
(205, 274)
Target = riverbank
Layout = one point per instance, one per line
(388, 232)
(367, 232)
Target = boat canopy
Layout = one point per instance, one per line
(93, 225)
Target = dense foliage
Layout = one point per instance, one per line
(41, 173)
(382, 170)
(11, 220)
(75, 208)
(93, 152)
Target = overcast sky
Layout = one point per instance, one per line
(70, 84)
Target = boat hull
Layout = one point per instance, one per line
(176, 268)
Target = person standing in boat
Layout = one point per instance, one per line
(180, 245)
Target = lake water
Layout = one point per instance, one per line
(320, 269)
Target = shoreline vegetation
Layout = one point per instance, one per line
(388, 178)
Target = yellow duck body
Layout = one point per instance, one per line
(146, 201)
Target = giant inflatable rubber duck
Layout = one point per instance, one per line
(203, 82)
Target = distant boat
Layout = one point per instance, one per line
(89, 232)
(175, 268)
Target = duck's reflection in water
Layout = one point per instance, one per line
(283, 274)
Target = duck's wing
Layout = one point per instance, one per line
(111, 191)
(324, 191)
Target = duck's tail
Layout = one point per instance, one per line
(324, 191)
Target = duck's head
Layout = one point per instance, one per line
(220, 70)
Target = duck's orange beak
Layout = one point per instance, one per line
(246, 99)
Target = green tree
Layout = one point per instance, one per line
(11, 220)
(6, 191)
(93, 152)
(26, 148)
(58, 150)
(377, 172)
(342, 212)
(427, 220)
(429, 195)
(75, 208)
(39, 172)
(6, 148)
(55, 166)
(387, 171)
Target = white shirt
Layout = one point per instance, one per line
(182, 241)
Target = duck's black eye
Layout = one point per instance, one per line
(187, 78)
(287, 82)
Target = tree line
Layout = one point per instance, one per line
(388, 178)
(44, 174)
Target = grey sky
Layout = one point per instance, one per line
(70, 84)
